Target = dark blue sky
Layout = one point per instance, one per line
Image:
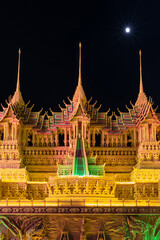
(48, 37)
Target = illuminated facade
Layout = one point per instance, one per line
(79, 173)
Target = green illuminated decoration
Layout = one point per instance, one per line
(80, 166)
(6, 224)
(96, 170)
(64, 170)
(137, 229)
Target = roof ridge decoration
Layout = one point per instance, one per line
(133, 106)
(79, 92)
(142, 99)
(17, 97)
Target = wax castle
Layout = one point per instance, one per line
(79, 161)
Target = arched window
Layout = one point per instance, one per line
(158, 135)
(61, 139)
(129, 140)
(91, 140)
(29, 140)
(98, 139)
(1, 135)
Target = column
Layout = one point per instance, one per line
(134, 137)
(56, 138)
(152, 133)
(89, 138)
(116, 141)
(102, 139)
(85, 130)
(52, 139)
(69, 136)
(13, 131)
(125, 140)
(93, 138)
(121, 138)
(111, 141)
(76, 129)
(4, 127)
(154, 137)
(107, 140)
(33, 139)
(140, 136)
(82, 130)
(65, 136)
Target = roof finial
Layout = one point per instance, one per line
(79, 77)
(79, 93)
(141, 83)
(17, 97)
(142, 99)
(18, 74)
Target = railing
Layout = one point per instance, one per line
(150, 146)
(9, 144)
(111, 151)
(60, 151)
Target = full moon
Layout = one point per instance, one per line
(127, 29)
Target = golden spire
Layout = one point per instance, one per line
(18, 74)
(142, 99)
(17, 97)
(79, 93)
(141, 83)
(79, 77)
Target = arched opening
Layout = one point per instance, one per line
(137, 138)
(158, 135)
(67, 139)
(1, 135)
(9, 131)
(91, 140)
(110, 142)
(129, 139)
(29, 140)
(61, 139)
(98, 139)
(119, 142)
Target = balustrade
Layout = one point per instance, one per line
(60, 151)
(111, 151)
(150, 146)
(9, 144)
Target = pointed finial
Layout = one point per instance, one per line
(142, 99)
(141, 83)
(18, 74)
(79, 93)
(79, 77)
(17, 97)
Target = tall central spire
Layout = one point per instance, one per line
(18, 74)
(141, 83)
(17, 97)
(79, 93)
(142, 99)
(80, 76)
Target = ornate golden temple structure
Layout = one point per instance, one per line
(79, 173)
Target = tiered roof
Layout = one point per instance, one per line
(46, 123)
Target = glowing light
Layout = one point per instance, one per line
(127, 29)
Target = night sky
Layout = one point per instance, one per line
(49, 36)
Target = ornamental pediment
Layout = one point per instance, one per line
(9, 115)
